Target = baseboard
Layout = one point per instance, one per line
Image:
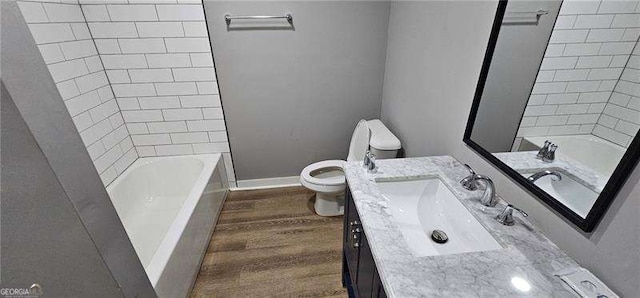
(267, 183)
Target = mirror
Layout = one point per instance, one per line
(567, 73)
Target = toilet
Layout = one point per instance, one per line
(327, 179)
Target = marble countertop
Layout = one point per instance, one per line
(527, 253)
(526, 161)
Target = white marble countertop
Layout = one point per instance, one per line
(527, 253)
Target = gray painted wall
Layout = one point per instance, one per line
(43, 239)
(293, 97)
(434, 55)
(45, 115)
(513, 71)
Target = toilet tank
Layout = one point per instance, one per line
(383, 144)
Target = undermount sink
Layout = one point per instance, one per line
(568, 191)
(421, 206)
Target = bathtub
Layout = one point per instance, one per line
(596, 153)
(169, 206)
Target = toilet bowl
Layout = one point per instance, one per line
(327, 178)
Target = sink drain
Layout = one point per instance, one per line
(439, 236)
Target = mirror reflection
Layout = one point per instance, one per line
(561, 100)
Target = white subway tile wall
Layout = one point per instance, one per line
(158, 59)
(137, 77)
(577, 89)
(65, 43)
(620, 118)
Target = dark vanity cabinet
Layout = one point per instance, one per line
(359, 273)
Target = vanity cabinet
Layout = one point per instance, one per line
(359, 273)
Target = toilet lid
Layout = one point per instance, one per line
(359, 141)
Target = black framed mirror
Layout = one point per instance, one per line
(557, 105)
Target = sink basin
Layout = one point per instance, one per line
(568, 191)
(421, 206)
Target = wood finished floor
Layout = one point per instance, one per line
(270, 243)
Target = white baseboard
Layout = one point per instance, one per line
(267, 183)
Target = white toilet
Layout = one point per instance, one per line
(327, 179)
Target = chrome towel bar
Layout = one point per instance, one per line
(524, 17)
(228, 17)
(537, 13)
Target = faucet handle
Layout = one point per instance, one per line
(468, 182)
(550, 155)
(506, 216)
(543, 151)
(519, 210)
(471, 171)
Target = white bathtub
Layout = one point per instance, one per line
(169, 206)
(596, 153)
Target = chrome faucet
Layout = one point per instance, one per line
(489, 196)
(467, 182)
(506, 216)
(541, 174)
(550, 155)
(544, 149)
(548, 152)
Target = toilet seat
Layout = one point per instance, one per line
(327, 179)
(334, 183)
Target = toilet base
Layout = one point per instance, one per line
(329, 204)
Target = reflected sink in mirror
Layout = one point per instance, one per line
(568, 191)
(421, 206)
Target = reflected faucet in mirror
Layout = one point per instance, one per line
(541, 174)
(544, 149)
(550, 155)
(548, 152)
